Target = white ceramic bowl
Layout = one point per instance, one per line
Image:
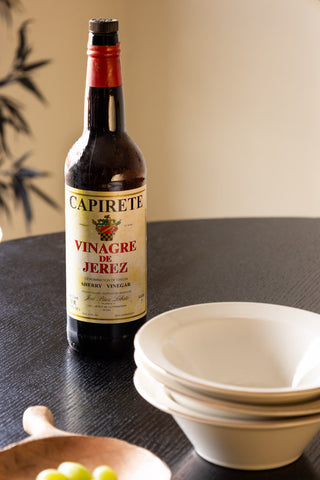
(202, 403)
(239, 444)
(243, 352)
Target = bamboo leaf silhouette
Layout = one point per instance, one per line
(21, 195)
(30, 85)
(18, 163)
(6, 7)
(44, 196)
(32, 66)
(3, 201)
(10, 115)
(22, 186)
(3, 144)
(19, 186)
(22, 69)
(30, 173)
(15, 176)
(23, 50)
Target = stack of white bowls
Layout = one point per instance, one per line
(242, 380)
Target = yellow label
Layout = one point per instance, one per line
(106, 255)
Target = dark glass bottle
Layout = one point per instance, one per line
(105, 177)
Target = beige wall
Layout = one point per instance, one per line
(222, 96)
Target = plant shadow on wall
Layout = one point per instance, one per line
(17, 180)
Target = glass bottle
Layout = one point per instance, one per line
(105, 193)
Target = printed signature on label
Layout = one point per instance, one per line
(104, 299)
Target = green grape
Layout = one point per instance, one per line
(74, 471)
(51, 474)
(104, 473)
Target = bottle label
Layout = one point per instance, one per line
(106, 255)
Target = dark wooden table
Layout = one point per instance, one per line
(260, 260)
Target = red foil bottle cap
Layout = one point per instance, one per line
(104, 68)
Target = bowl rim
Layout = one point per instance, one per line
(154, 393)
(259, 394)
(310, 407)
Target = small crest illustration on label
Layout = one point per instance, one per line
(106, 227)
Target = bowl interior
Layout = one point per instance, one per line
(243, 352)
(238, 345)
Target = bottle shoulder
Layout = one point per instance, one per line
(107, 162)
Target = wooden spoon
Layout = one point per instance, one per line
(47, 447)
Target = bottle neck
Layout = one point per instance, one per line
(104, 104)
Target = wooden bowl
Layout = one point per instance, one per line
(47, 447)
